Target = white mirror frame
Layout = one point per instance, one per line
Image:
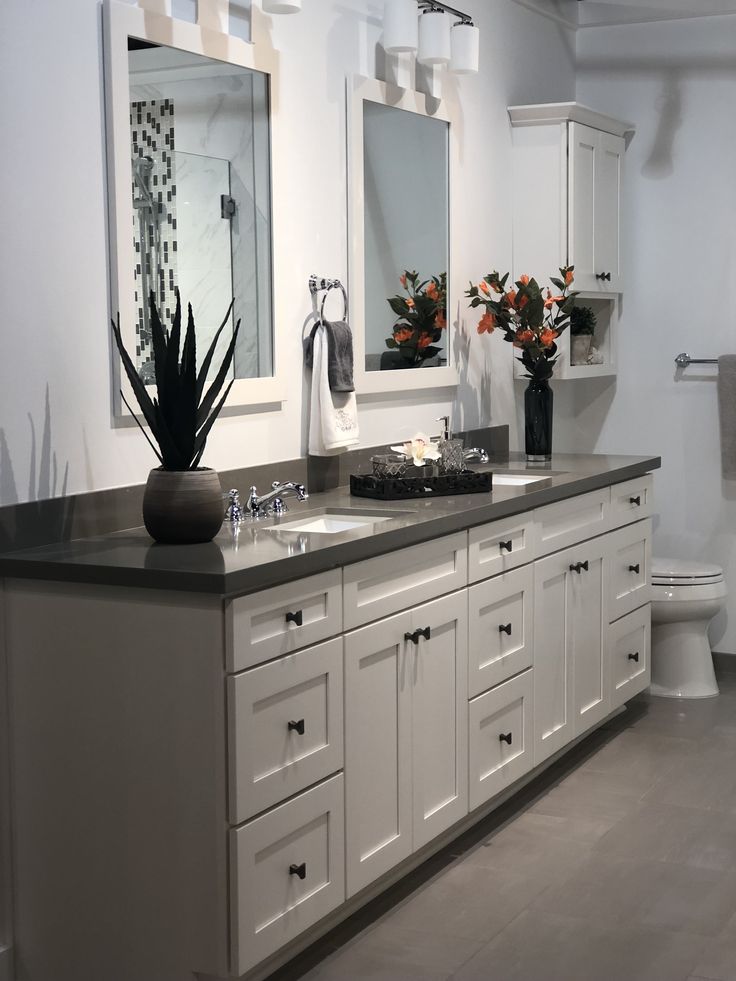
(123, 20)
(362, 90)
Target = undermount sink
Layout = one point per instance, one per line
(335, 522)
(518, 479)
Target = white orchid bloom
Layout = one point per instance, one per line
(420, 448)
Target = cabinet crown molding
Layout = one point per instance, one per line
(563, 112)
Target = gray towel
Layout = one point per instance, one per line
(339, 355)
(727, 413)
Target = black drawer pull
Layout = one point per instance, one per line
(605, 276)
(634, 657)
(504, 628)
(296, 618)
(506, 546)
(414, 637)
(634, 568)
(300, 870)
(635, 500)
(297, 727)
(579, 566)
(505, 737)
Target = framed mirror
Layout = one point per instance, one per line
(401, 148)
(191, 152)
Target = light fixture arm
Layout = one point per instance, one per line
(436, 6)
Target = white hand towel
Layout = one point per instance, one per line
(333, 422)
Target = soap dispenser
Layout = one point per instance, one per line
(451, 450)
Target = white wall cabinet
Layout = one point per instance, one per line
(405, 734)
(573, 158)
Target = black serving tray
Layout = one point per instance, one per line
(401, 488)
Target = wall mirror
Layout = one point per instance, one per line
(400, 158)
(190, 140)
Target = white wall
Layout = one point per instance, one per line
(677, 82)
(53, 251)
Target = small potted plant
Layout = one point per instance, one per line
(582, 329)
(422, 318)
(531, 319)
(182, 502)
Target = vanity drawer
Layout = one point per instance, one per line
(284, 727)
(629, 644)
(500, 618)
(500, 546)
(631, 500)
(287, 871)
(569, 522)
(629, 568)
(501, 738)
(388, 583)
(278, 621)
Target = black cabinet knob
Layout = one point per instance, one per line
(296, 727)
(506, 546)
(426, 632)
(295, 618)
(504, 628)
(579, 566)
(604, 276)
(505, 737)
(634, 656)
(634, 568)
(299, 870)
(635, 500)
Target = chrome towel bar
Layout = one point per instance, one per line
(683, 360)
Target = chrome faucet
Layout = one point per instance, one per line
(475, 455)
(272, 502)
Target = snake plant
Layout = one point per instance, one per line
(181, 414)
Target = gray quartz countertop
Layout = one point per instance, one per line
(261, 554)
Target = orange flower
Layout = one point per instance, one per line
(524, 337)
(511, 297)
(402, 334)
(483, 287)
(424, 341)
(547, 337)
(402, 280)
(487, 323)
(568, 276)
(410, 303)
(524, 279)
(548, 303)
(439, 321)
(432, 290)
(522, 302)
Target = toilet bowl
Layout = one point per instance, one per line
(685, 598)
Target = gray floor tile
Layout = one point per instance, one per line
(549, 947)
(718, 961)
(690, 899)
(660, 832)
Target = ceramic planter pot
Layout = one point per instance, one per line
(183, 507)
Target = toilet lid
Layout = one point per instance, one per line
(682, 571)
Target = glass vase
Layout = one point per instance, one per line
(538, 420)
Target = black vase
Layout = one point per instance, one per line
(538, 399)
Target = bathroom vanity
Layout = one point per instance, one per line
(220, 751)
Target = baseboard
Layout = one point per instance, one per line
(723, 661)
(6, 964)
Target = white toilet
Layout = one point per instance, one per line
(685, 598)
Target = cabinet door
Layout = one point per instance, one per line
(554, 718)
(378, 749)
(629, 643)
(607, 227)
(500, 628)
(439, 715)
(586, 616)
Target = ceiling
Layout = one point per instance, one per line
(595, 13)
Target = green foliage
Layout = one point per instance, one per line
(182, 414)
(422, 316)
(582, 321)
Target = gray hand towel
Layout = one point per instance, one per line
(727, 413)
(340, 356)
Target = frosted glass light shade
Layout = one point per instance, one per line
(434, 38)
(400, 27)
(465, 46)
(282, 6)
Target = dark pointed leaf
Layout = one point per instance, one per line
(141, 426)
(139, 389)
(217, 384)
(205, 430)
(205, 367)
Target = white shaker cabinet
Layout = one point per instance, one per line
(406, 762)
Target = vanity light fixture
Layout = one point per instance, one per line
(282, 6)
(435, 39)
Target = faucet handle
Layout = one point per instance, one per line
(234, 510)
